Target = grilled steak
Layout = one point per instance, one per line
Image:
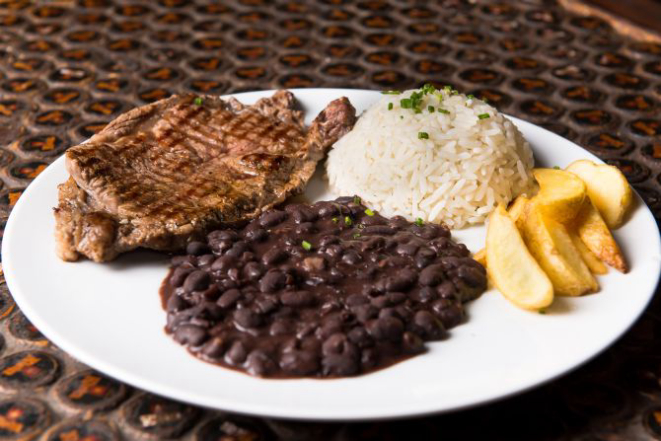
(164, 174)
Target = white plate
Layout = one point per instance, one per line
(109, 316)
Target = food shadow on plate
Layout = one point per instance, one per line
(560, 305)
(138, 260)
(317, 188)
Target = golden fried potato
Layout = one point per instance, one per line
(561, 193)
(592, 261)
(550, 244)
(512, 268)
(608, 189)
(594, 233)
(481, 257)
(516, 209)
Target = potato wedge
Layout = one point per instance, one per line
(592, 261)
(516, 209)
(512, 268)
(561, 193)
(549, 242)
(481, 257)
(607, 187)
(594, 233)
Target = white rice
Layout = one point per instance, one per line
(457, 176)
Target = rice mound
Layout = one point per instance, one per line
(449, 163)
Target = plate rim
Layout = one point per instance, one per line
(267, 411)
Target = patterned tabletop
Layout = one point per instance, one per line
(67, 68)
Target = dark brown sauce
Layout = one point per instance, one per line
(324, 290)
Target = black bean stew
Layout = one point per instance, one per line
(324, 290)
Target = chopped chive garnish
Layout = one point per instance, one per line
(348, 221)
(369, 212)
(431, 109)
(555, 167)
(423, 135)
(447, 112)
(356, 200)
(390, 106)
(483, 116)
(405, 103)
(418, 221)
(391, 92)
(470, 97)
(356, 235)
(416, 100)
(447, 89)
(336, 220)
(198, 101)
(428, 88)
(307, 246)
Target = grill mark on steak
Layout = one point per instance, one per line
(194, 142)
(166, 173)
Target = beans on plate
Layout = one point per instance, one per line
(331, 289)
